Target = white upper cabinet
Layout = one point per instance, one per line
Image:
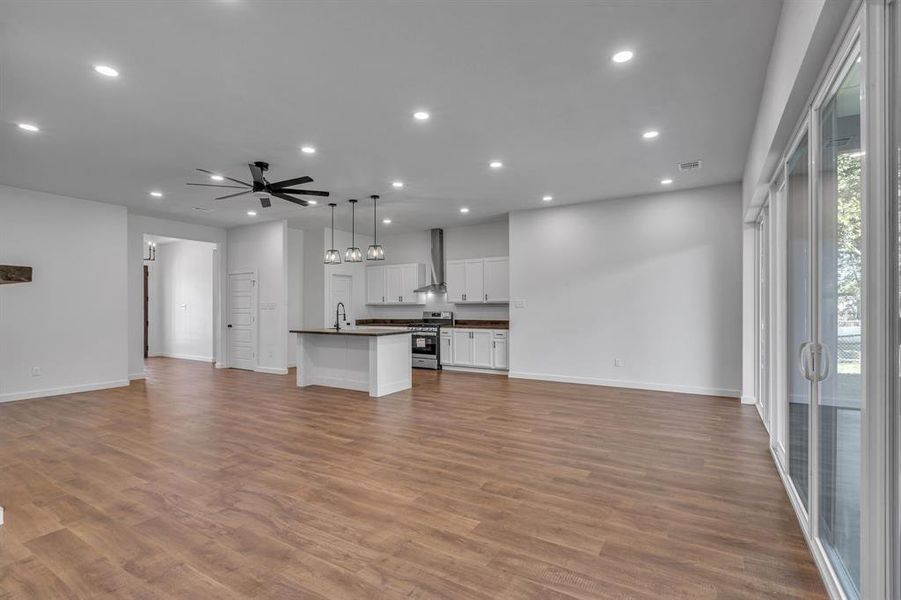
(456, 280)
(375, 285)
(497, 279)
(394, 284)
(475, 272)
(478, 280)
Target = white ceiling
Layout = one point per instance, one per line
(218, 84)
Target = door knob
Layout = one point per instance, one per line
(229, 325)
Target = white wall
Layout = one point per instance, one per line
(654, 281)
(357, 272)
(184, 273)
(138, 227)
(806, 32)
(473, 241)
(295, 260)
(71, 321)
(263, 248)
(314, 241)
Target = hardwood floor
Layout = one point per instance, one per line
(201, 483)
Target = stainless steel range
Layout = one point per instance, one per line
(426, 349)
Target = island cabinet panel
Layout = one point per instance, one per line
(395, 284)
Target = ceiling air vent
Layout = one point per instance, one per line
(691, 165)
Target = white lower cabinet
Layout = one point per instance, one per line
(499, 354)
(478, 348)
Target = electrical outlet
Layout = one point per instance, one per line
(35, 371)
(618, 362)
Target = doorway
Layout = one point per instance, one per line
(180, 298)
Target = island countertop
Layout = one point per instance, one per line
(358, 331)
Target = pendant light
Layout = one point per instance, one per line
(353, 254)
(375, 251)
(333, 257)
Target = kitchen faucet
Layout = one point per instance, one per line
(339, 310)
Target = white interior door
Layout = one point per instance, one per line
(242, 320)
(342, 287)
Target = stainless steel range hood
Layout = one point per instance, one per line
(438, 284)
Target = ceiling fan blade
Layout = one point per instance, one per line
(290, 199)
(265, 202)
(229, 178)
(290, 182)
(307, 192)
(233, 195)
(236, 187)
(257, 174)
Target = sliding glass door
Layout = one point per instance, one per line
(838, 352)
(798, 322)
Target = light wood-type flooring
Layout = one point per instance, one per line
(203, 483)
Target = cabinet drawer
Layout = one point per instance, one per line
(500, 334)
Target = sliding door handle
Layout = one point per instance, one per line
(825, 369)
(804, 361)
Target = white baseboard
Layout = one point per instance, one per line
(133, 376)
(636, 385)
(72, 389)
(208, 359)
(748, 400)
(221, 365)
(271, 370)
(474, 370)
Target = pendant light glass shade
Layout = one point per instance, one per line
(332, 257)
(353, 254)
(375, 251)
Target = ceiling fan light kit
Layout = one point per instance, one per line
(375, 250)
(332, 256)
(352, 254)
(263, 189)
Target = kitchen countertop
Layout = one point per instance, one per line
(478, 324)
(360, 331)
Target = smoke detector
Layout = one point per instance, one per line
(691, 165)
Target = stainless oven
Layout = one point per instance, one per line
(425, 349)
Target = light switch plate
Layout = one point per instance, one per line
(267, 305)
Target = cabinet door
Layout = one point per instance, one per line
(474, 273)
(499, 353)
(410, 279)
(481, 348)
(497, 280)
(446, 350)
(462, 350)
(456, 280)
(395, 285)
(375, 285)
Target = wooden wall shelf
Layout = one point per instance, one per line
(11, 274)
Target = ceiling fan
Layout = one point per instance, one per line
(262, 189)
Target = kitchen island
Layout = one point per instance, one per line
(372, 359)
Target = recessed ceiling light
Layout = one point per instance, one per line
(398, 184)
(547, 198)
(156, 194)
(106, 70)
(251, 213)
(312, 202)
(495, 164)
(464, 210)
(308, 149)
(421, 115)
(622, 56)
(217, 177)
(665, 181)
(29, 127)
(386, 221)
(650, 134)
